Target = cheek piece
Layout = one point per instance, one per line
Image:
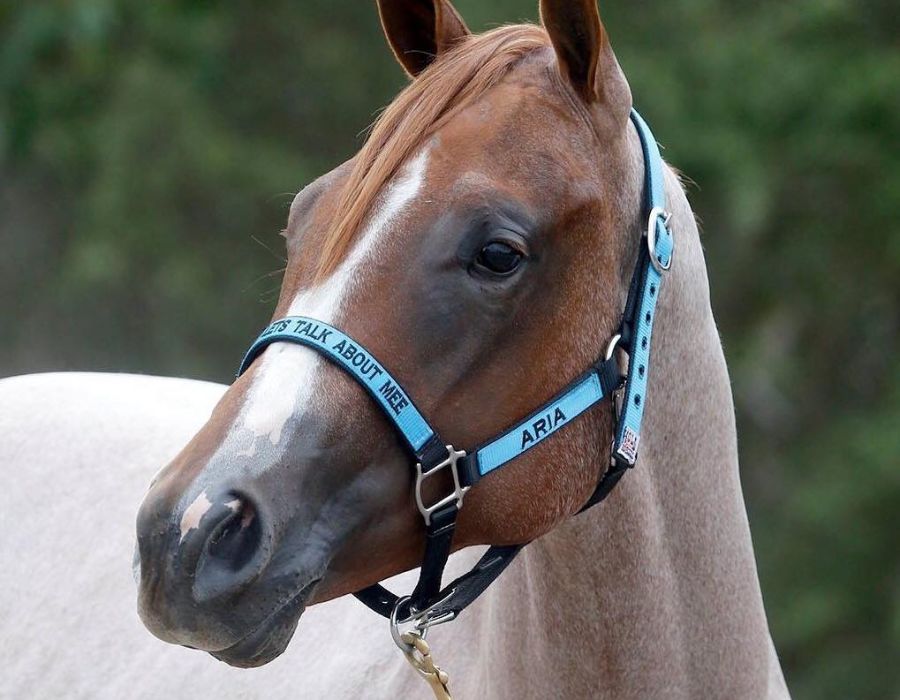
(430, 604)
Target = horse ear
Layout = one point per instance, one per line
(420, 30)
(582, 48)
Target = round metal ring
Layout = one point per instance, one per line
(395, 627)
(655, 214)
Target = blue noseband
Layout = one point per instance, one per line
(429, 604)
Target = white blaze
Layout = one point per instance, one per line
(286, 377)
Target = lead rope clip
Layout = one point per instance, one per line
(414, 647)
(419, 657)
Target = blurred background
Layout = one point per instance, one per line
(150, 150)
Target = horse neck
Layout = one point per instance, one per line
(656, 588)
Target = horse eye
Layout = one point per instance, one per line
(499, 258)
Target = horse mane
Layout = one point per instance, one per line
(453, 81)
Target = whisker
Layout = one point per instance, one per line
(262, 277)
(269, 296)
(286, 195)
(278, 256)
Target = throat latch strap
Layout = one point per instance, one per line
(654, 259)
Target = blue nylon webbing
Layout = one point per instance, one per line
(357, 361)
(541, 424)
(654, 175)
(629, 429)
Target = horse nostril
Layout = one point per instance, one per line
(233, 553)
(236, 538)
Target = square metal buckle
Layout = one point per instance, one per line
(458, 489)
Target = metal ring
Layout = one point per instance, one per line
(613, 344)
(395, 627)
(655, 214)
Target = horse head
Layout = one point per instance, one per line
(480, 245)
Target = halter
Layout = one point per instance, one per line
(429, 604)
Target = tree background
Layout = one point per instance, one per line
(149, 152)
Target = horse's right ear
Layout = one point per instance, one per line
(582, 48)
(420, 30)
(585, 58)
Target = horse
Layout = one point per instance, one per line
(481, 243)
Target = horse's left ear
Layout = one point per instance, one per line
(583, 51)
(420, 30)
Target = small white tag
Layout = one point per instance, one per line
(629, 447)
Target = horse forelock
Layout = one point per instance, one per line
(455, 80)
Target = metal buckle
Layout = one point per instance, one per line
(458, 490)
(655, 214)
(421, 620)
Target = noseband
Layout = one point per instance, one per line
(429, 604)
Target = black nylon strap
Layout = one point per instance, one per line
(469, 586)
(459, 594)
(626, 326)
(378, 599)
(431, 453)
(606, 484)
(468, 469)
(438, 538)
(610, 376)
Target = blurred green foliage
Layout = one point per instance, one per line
(149, 152)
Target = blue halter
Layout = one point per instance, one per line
(429, 604)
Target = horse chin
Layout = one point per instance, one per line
(270, 639)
